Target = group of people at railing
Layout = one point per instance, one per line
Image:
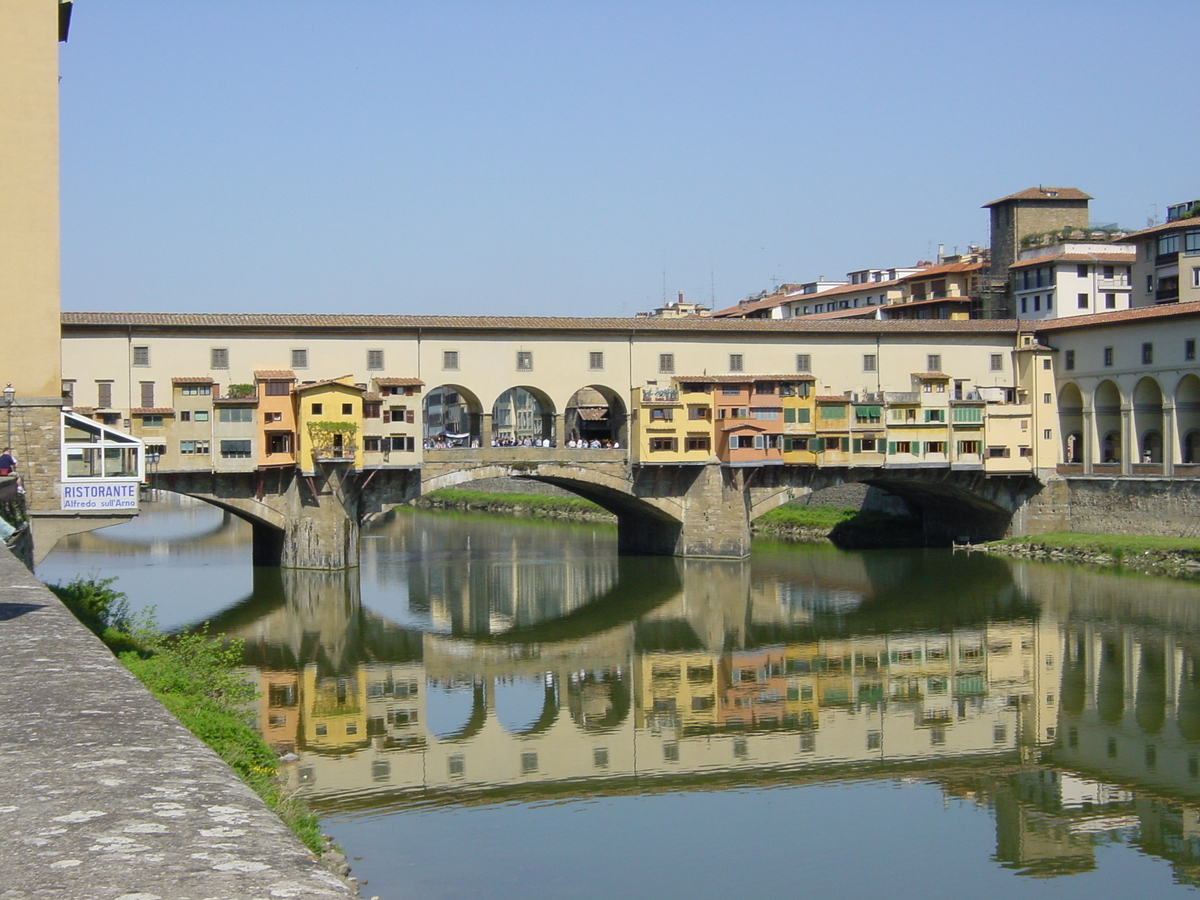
(452, 442)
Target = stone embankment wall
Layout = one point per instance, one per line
(1154, 506)
(106, 794)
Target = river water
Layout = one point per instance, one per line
(494, 708)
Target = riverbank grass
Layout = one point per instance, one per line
(1114, 545)
(798, 515)
(196, 677)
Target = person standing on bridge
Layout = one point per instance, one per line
(8, 467)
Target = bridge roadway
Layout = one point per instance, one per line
(701, 511)
(105, 793)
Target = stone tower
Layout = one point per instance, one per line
(1031, 211)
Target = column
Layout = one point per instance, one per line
(1091, 440)
(1170, 444)
(1129, 448)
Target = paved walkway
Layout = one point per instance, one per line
(104, 795)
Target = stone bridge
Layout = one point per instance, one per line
(702, 511)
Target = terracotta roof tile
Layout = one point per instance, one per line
(152, 411)
(309, 385)
(1120, 317)
(277, 374)
(741, 379)
(199, 379)
(931, 376)
(1193, 222)
(235, 401)
(79, 322)
(832, 398)
(947, 269)
(399, 382)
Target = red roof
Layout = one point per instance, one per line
(1129, 257)
(399, 382)
(199, 379)
(276, 374)
(1120, 317)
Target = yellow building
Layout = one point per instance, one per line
(328, 420)
(673, 424)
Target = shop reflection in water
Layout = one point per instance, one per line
(1075, 722)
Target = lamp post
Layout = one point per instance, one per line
(10, 394)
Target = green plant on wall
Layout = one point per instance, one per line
(240, 391)
(332, 440)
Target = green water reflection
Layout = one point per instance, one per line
(488, 706)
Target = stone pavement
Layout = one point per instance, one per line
(104, 795)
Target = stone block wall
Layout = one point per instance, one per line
(35, 433)
(1154, 506)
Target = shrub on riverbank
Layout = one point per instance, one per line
(195, 677)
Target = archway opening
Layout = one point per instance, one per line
(522, 417)
(452, 416)
(1187, 417)
(1107, 404)
(1148, 420)
(1070, 415)
(596, 414)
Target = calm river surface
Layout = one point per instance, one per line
(497, 709)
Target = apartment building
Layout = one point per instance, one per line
(1167, 268)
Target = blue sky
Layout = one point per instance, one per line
(574, 157)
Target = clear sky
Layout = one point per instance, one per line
(582, 157)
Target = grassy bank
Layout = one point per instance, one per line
(1115, 545)
(503, 502)
(797, 515)
(195, 677)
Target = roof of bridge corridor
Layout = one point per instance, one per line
(220, 321)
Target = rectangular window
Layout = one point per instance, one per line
(347, 409)
(185, 416)
(1081, 270)
(152, 421)
(596, 361)
(833, 412)
(935, 415)
(662, 444)
(698, 444)
(1081, 300)
(1046, 398)
(803, 362)
(147, 394)
(730, 390)
(1189, 348)
(735, 362)
(375, 360)
(661, 414)
(141, 356)
(1110, 301)
(996, 363)
(934, 362)
(1108, 356)
(1069, 360)
(869, 362)
(235, 449)
(278, 388)
(1168, 243)
(104, 394)
(698, 412)
(235, 414)
(1047, 434)
(524, 360)
(1147, 354)
(968, 448)
(318, 409)
(201, 415)
(450, 360)
(299, 359)
(219, 358)
(371, 410)
(666, 363)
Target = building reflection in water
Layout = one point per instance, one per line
(1047, 695)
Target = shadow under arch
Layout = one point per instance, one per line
(596, 411)
(620, 700)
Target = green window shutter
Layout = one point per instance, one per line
(814, 445)
(916, 448)
(804, 416)
(891, 446)
(858, 445)
(789, 414)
